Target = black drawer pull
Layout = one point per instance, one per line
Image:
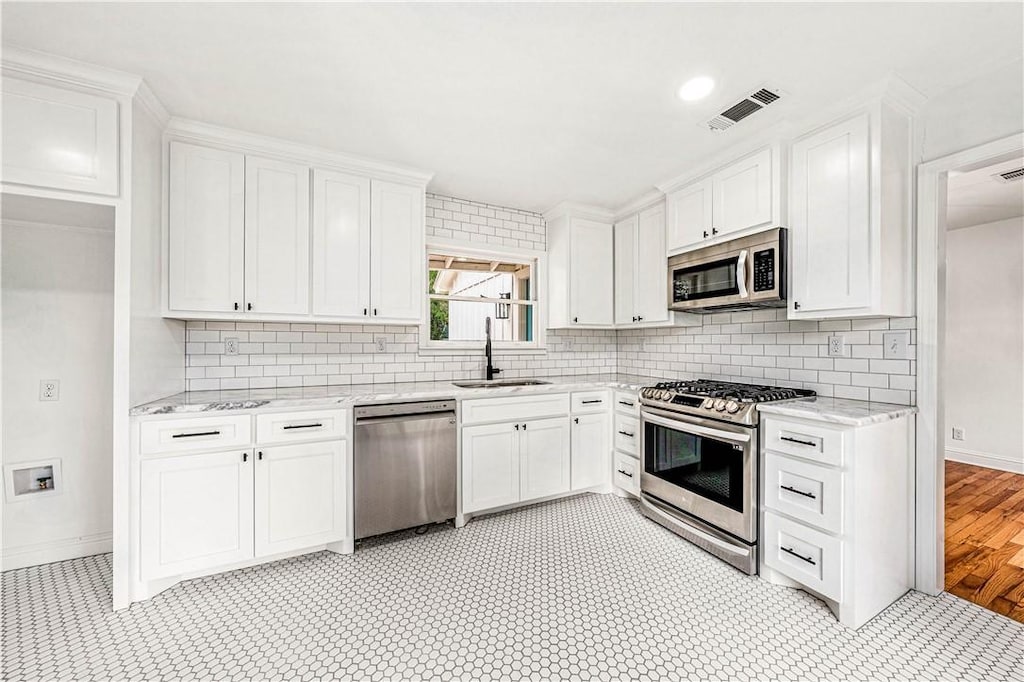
(302, 426)
(809, 560)
(798, 441)
(624, 473)
(626, 403)
(793, 489)
(626, 433)
(193, 435)
(592, 402)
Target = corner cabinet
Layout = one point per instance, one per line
(254, 238)
(742, 196)
(580, 263)
(850, 217)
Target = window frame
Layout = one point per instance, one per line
(508, 254)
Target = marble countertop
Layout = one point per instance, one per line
(839, 410)
(324, 396)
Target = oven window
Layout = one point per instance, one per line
(702, 465)
(705, 281)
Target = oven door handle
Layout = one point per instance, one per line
(741, 273)
(694, 428)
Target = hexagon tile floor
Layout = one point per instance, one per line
(582, 588)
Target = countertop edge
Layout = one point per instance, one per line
(844, 411)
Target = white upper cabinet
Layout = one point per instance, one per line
(397, 257)
(851, 217)
(206, 245)
(276, 236)
(580, 268)
(59, 139)
(625, 232)
(341, 244)
(743, 196)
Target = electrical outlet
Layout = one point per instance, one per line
(49, 389)
(836, 346)
(382, 344)
(567, 344)
(231, 346)
(895, 345)
(958, 433)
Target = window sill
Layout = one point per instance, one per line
(478, 349)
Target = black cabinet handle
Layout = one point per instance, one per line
(248, 306)
(705, 234)
(524, 427)
(193, 435)
(576, 420)
(626, 433)
(796, 305)
(301, 426)
(366, 311)
(259, 455)
(517, 427)
(714, 230)
(798, 441)
(639, 318)
(624, 473)
(634, 318)
(592, 402)
(801, 557)
(799, 492)
(245, 456)
(626, 403)
(575, 319)
(236, 305)
(375, 311)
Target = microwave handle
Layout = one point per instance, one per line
(741, 273)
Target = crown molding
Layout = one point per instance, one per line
(641, 203)
(42, 66)
(152, 105)
(226, 138)
(580, 210)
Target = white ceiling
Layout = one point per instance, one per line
(517, 104)
(976, 197)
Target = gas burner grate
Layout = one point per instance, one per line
(742, 393)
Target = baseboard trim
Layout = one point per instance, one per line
(61, 550)
(984, 459)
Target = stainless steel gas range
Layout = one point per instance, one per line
(700, 449)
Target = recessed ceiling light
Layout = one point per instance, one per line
(696, 88)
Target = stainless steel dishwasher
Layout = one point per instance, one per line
(405, 465)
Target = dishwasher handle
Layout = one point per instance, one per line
(368, 421)
(364, 413)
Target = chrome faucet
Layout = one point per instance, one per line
(491, 369)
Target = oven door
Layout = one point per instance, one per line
(705, 468)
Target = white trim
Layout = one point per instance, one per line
(41, 66)
(152, 105)
(586, 211)
(32, 225)
(639, 204)
(931, 300)
(201, 133)
(985, 459)
(60, 550)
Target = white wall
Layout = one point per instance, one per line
(57, 291)
(157, 345)
(985, 344)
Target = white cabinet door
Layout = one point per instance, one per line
(276, 237)
(591, 450)
(300, 496)
(490, 466)
(591, 264)
(196, 512)
(206, 258)
(341, 244)
(625, 272)
(59, 138)
(688, 213)
(651, 272)
(743, 194)
(544, 458)
(831, 231)
(397, 259)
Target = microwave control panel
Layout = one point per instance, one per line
(764, 270)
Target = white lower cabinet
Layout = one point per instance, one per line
(300, 495)
(626, 464)
(490, 466)
(590, 449)
(544, 457)
(196, 512)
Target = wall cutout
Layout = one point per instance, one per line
(32, 480)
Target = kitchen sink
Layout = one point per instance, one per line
(499, 383)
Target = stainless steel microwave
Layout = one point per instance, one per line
(740, 274)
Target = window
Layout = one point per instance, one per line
(465, 289)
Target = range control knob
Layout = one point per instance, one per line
(720, 404)
(708, 404)
(732, 407)
(666, 395)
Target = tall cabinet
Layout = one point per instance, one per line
(580, 266)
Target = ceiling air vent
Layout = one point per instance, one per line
(752, 103)
(1010, 176)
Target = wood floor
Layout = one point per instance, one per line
(985, 537)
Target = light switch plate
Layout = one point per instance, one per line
(896, 345)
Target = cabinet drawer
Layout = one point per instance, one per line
(627, 403)
(810, 441)
(589, 401)
(627, 434)
(626, 473)
(482, 410)
(808, 556)
(805, 491)
(195, 433)
(296, 427)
